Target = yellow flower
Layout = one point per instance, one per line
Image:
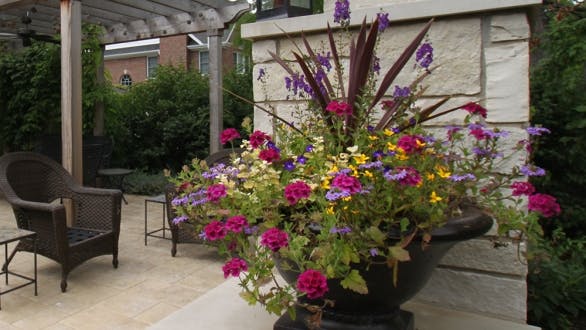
(430, 176)
(373, 137)
(434, 198)
(354, 170)
(347, 199)
(367, 174)
(443, 172)
(361, 159)
(330, 210)
(401, 155)
(325, 183)
(391, 146)
(388, 132)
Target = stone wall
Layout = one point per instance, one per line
(483, 50)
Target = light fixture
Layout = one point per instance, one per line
(272, 9)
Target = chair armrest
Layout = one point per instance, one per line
(35, 216)
(97, 208)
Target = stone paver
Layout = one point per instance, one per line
(148, 285)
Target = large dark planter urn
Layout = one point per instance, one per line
(380, 308)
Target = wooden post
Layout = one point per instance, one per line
(216, 100)
(71, 135)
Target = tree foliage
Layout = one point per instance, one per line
(559, 103)
(164, 122)
(557, 274)
(30, 91)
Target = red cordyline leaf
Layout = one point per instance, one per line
(336, 58)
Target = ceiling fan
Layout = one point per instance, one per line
(27, 34)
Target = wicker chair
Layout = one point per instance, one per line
(184, 232)
(35, 186)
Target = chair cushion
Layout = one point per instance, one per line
(76, 235)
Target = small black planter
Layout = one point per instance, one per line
(380, 308)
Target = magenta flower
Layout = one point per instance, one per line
(296, 191)
(215, 230)
(269, 155)
(347, 183)
(234, 267)
(479, 133)
(258, 138)
(228, 135)
(274, 239)
(236, 223)
(475, 109)
(313, 283)
(522, 188)
(339, 108)
(215, 192)
(544, 204)
(411, 143)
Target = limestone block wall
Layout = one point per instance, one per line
(483, 50)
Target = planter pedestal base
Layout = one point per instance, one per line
(402, 320)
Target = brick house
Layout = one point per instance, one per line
(136, 61)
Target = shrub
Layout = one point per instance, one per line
(557, 282)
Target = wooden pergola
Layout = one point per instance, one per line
(122, 20)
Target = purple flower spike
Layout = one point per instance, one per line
(383, 21)
(342, 12)
(424, 55)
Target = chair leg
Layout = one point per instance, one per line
(63, 282)
(174, 249)
(115, 259)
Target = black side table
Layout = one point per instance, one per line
(9, 235)
(116, 177)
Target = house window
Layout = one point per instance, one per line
(126, 80)
(240, 62)
(204, 62)
(152, 64)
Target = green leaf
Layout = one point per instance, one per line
(399, 253)
(376, 235)
(355, 282)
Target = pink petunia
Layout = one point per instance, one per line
(411, 143)
(228, 135)
(475, 109)
(522, 188)
(313, 283)
(258, 138)
(296, 191)
(274, 239)
(544, 204)
(236, 223)
(215, 192)
(347, 183)
(234, 267)
(269, 155)
(215, 230)
(339, 108)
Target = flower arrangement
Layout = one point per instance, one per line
(327, 191)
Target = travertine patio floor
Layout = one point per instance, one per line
(148, 285)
